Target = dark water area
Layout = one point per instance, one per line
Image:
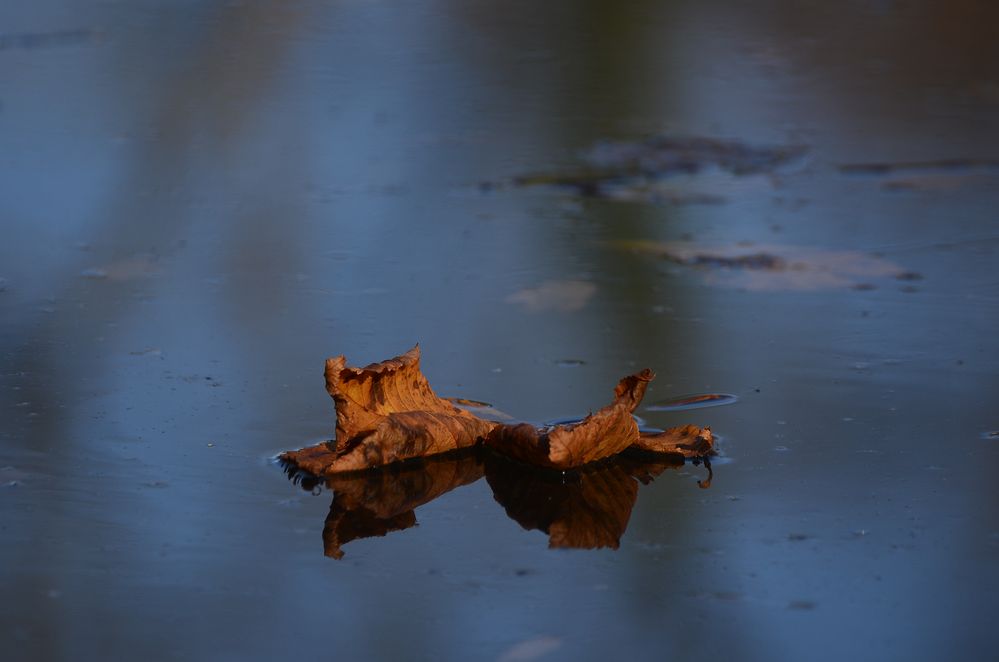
(792, 204)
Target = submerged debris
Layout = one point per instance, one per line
(635, 170)
(665, 155)
(35, 40)
(915, 167)
(775, 267)
(939, 175)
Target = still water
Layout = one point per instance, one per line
(201, 201)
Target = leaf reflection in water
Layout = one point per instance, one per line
(586, 509)
(373, 503)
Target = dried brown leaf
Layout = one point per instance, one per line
(364, 397)
(601, 434)
(386, 412)
(686, 440)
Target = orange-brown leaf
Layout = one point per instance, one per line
(386, 412)
(365, 396)
(601, 434)
(686, 440)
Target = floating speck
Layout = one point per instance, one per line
(991, 435)
(569, 363)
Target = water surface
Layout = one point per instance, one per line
(202, 201)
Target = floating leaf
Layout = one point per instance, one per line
(601, 434)
(386, 413)
(687, 440)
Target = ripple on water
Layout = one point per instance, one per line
(470, 404)
(693, 401)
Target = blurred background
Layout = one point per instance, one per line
(201, 201)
